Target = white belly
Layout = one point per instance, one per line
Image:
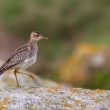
(28, 62)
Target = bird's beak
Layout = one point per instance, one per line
(46, 38)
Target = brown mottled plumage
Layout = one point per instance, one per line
(23, 57)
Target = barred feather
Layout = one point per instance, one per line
(1, 71)
(24, 57)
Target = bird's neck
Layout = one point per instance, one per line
(33, 42)
(33, 47)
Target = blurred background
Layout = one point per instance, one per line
(78, 54)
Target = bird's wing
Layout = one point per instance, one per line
(18, 56)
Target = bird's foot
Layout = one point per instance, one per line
(33, 78)
(18, 86)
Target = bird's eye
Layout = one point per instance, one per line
(37, 35)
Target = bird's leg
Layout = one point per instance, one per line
(15, 73)
(30, 76)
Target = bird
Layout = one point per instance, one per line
(23, 57)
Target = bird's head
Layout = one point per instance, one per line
(36, 36)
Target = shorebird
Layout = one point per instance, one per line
(23, 57)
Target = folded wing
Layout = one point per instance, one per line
(16, 58)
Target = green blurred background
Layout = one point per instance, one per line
(78, 53)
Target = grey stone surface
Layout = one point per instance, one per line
(61, 98)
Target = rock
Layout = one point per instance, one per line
(54, 99)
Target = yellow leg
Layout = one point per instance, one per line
(30, 76)
(15, 73)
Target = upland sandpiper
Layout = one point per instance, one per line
(23, 57)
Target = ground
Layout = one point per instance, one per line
(42, 98)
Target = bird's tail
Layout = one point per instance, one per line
(1, 71)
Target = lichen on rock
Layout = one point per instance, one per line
(42, 98)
